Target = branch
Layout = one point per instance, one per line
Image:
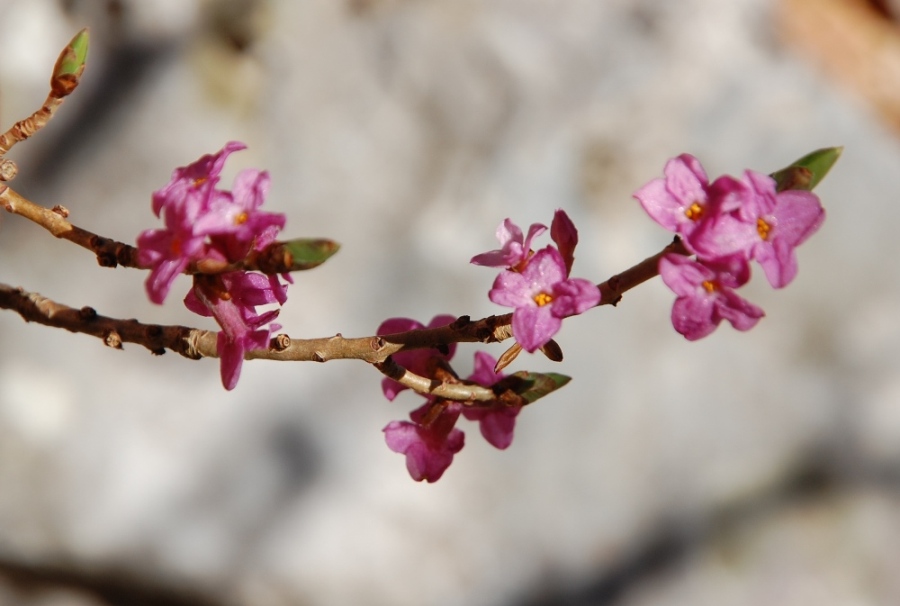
(113, 332)
(276, 258)
(195, 343)
(612, 290)
(66, 76)
(109, 252)
(462, 392)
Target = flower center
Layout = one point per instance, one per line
(710, 286)
(200, 181)
(241, 218)
(694, 211)
(175, 247)
(542, 298)
(763, 228)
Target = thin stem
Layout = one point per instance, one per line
(66, 75)
(194, 343)
(461, 392)
(612, 290)
(109, 252)
(271, 260)
(112, 331)
(23, 129)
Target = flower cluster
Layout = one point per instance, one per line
(430, 439)
(210, 227)
(537, 284)
(725, 225)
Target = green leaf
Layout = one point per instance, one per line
(808, 171)
(70, 64)
(307, 253)
(532, 386)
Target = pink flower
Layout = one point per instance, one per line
(498, 421)
(706, 296)
(515, 249)
(195, 183)
(235, 222)
(679, 201)
(205, 223)
(783, 221)
(733, 216)
(169, 251)
(418, 361)
(232, 299)
(428, 443)
(542, 296)
(729, 224)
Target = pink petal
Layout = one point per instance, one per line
(534, 326)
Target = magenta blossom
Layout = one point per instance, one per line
(498, 421)
(169, 251)
(729, 223)
(235, 222)
(429, 442)
(712, 219)
(706, 296)
(679, 201)
(783, 221)
(542, 296)
(731, 216)
(196, 182)
(203, 223)
(515, 249)
(232, 299)
(418, 361)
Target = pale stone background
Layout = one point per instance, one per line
(757, 468)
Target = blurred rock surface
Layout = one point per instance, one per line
(407, 130)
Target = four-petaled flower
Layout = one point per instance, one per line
(705, 294)
(496, 421)
(430, 441)
(515, 248)
(680, 201)
(168, 251)
(231, 299)
(784, 220)
(542, 296)
(235, 222)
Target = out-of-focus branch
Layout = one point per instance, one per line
(66, 76)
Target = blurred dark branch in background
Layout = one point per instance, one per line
(817, 478)
(107, 587)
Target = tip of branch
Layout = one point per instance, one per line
(70, 65)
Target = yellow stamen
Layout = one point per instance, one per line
(542, 299)
(763, 228)
(241, 219)
(199, 181)
(710, 286)
(694, 211)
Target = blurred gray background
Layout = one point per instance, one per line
(745, 469)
